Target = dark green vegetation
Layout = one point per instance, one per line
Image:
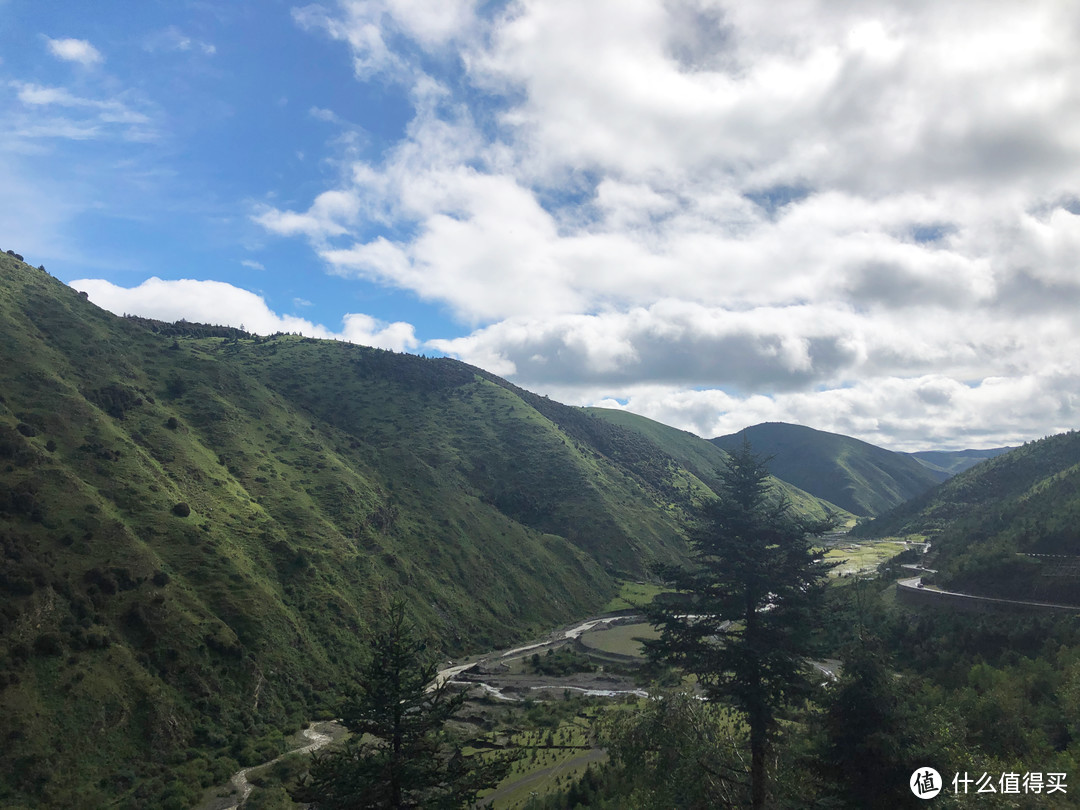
(196, 525)
(743, 615)
(963, 693)
(973, 695)
(563, 661)
(397, 756)
(857, 476)
(984, 523)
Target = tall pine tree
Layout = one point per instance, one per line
(743, 614)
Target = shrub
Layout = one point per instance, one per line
(115, 399)
(104, 580)
(181, 510)
(26, 430)
(48, 644)
(175, 387)
(173, 423)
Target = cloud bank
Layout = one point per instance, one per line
(216, 302)
(862, 217)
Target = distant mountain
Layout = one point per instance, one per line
(984, 522)
(705, 459)
(855, 475)
(952, 462)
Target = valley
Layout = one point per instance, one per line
(198, 525)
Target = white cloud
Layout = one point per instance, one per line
(111, 111)
(904, 414)
(74, 50)
(251, 263)
(173, 39)
(376, 29)
(330, 215)
(802, 207)
(321, 114)
(56, 112)
(216, 302)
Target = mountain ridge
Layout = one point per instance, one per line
(858, 476)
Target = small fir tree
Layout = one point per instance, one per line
(398, 755)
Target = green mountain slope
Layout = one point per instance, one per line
(854, 475)
(196, 523)
(985, 521)
(705, 459)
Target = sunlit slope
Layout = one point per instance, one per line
(857, 476)
(705, 459)
(195, 524)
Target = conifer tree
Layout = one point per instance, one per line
(397, 756)
(870, 745)
(743, 614)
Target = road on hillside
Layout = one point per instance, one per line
(915, 584)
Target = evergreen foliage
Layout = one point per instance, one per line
(870, 732)
(397, 756)
(744, 613)
(676, 752)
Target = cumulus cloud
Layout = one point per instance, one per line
(217, 302)
(378, 31)
(799, 208)
(74, 50)
(330, 215)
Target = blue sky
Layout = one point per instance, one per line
(860, 217)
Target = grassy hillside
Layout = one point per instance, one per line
(854, 475)
(196, 523)
(705, 459)
(984, 523)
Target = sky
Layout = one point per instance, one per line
(859, 216)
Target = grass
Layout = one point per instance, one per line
(320, 478)
(633, 595)
(554, 756)
(862, 557)
(621, 639)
